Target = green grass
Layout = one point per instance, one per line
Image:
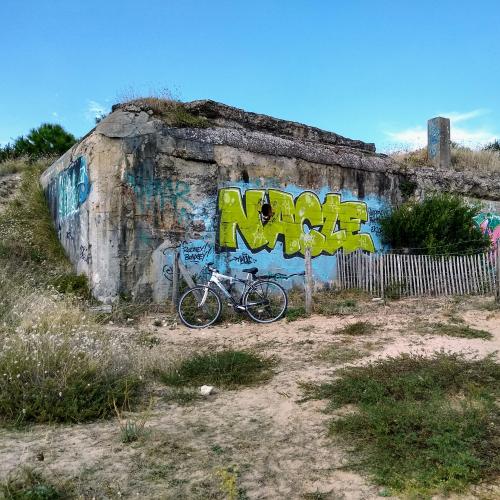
(423, 425)
(28, 484)
(71, 283)
(182, 395)
(295, 313)
(228, 369)
(459, 330)
(27, 233)
(358, 328)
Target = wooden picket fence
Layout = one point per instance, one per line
(394, 274)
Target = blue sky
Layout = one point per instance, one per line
(371, 70)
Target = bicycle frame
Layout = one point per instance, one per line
(216, 278)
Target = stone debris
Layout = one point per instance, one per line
(206, 390)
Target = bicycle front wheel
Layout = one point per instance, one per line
(265, 301)
(199, 307)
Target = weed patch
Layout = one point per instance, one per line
(69, 283)
(28, 484)
(228, 369)
(182, 395)
(338, 354)
(295, 313)
(423, 425)
(62, 378)
(459, 330)
(170, 110)
(358, 328)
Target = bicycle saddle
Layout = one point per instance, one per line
(251, 270)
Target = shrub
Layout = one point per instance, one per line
(62, 378)
(223, 369)
(493, 146)
(46, 140)
(440, 224)
(76, 284)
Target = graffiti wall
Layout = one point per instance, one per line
(72, 188)
(269, 228)
(490, 225)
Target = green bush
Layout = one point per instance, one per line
(440, 224)
(493, 146)
(222, 369)
(46, 140)
(76, 284)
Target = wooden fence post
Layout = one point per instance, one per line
(175, 279)
(308, 280)
(497, 266)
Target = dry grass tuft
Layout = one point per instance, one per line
(165, 105)
(463, 159)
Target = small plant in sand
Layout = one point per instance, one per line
(132, 429)
(357, 328)
(229, 482)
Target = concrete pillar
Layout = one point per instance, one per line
(438, 142)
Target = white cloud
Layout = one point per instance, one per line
(95, 110)
(456, 117)
(416, 137)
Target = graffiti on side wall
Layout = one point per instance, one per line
(73, 188)
(263, 216)
(164, 192)
(490, 225)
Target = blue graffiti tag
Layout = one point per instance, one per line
(165, 190)
(73, 188)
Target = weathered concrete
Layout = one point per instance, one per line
(438, 142)
(136, 189)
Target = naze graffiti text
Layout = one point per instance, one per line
(304, 221)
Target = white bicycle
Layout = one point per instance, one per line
(262, 299)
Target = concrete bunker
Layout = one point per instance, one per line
(217, 183)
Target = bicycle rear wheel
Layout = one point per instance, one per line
(199, 307)
(265, 301)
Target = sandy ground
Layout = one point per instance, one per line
(279, 446)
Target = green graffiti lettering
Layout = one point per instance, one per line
(303, 222)
(282, 222)
(247, 219)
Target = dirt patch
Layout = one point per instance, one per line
(274, 446)
(8, 187)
